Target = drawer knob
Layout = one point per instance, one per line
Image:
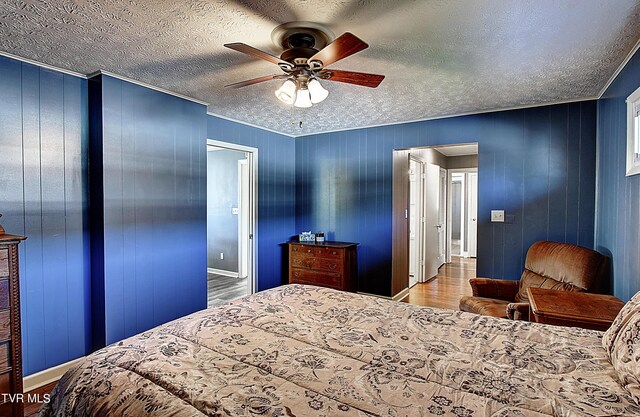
(334, 253)
(296, 274)
(308, 250)
(333, 266)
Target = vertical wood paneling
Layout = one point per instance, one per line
(531, 163)
(154, 208)
(276, 193)
(43, 190)
(618, 202)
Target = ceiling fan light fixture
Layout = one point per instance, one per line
(303, 98)
(287, 92)
(317, 92)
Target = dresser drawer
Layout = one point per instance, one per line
(6, 408)
(5, 325)
(307, 276)
(328, 264)
(303, 262)
(4, 294)
(5, 383)
(302, 250)
(4, 263)
(5, 350)
(331, 253)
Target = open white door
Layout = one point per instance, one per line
(416, 217)
(244, 241)
(472, 235)
(442, 218)
(432, 221)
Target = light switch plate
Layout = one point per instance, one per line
(235, 210)
(497, 216)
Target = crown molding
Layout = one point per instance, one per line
(162, 90)
(250, 124)
(40, 64)
(620, 68)
(472, 113)
(142, 84)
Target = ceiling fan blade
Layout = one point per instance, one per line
(345, 45)
(252, 81)
(250, 50)
(359, 78)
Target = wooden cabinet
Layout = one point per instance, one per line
(10, 339)
(328, 264)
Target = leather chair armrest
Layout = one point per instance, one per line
(518, 311)
(501, 289)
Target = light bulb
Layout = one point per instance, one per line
(303, 98)
(287, 92)
(318, 93)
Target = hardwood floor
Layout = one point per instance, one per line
(222, 289)
(32, 408)
(445, 290)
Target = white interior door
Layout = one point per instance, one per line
(244, 241)
(442, 218)
(472, 235)
(415, 222)
(432, 220)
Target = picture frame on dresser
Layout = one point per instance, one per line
(10, 332)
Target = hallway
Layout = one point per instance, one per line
(445, 290)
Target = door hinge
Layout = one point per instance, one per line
(250, 235)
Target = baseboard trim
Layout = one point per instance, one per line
(398, 297)
(47, 376)
(223, 272)
(401, 295)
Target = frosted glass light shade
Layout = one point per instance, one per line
(318, 93)
(287, 93)
(303, 98)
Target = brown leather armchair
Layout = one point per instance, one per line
(558, 266)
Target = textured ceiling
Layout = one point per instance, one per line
(439, 57)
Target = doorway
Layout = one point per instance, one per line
(463, 212)
(231, 212)
(422, 219)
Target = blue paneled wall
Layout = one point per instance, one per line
(43, 195)
(276, 193)
(538, 164)
(148, 215)
(150, 156)
(618, 207)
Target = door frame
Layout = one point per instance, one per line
(253, 207)
(450, 173)
(469, 218)
(421, 185)
(443, 209)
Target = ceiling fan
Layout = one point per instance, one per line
(308, 49)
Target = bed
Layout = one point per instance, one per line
(307, 351)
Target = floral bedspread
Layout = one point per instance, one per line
(307, 351)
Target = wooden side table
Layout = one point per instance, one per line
(574, 309)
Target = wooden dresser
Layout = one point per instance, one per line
(10, 339)
(328, 264)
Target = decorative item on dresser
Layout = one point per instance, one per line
(10, 339)
(327, 264)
